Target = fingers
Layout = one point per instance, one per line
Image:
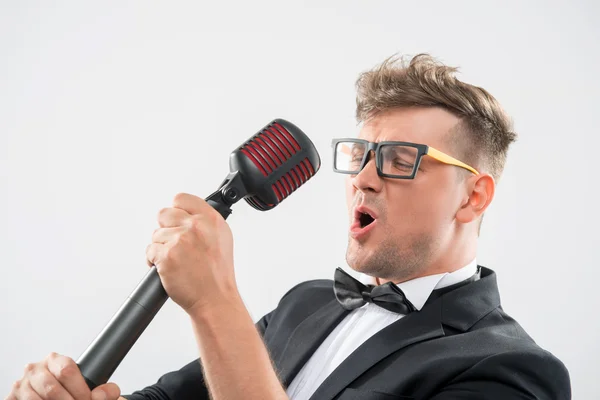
(47, 386)
(111, 390)
(25, 391)
(22, 390)
(172, 217)
(58, 378)
(67, 373)
(164, 235)
(154, 253)
(171, 220)
(191, 204)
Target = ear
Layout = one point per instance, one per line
(479, 195)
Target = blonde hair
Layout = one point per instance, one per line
(485, 132)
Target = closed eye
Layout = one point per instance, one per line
(403, 165)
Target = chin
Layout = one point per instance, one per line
(357, 256)
(384, 259)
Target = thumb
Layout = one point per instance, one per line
(108, 391)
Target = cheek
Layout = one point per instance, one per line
(417, 210)
(436, 205)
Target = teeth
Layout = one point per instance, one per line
(366, 213)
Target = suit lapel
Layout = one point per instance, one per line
(306, 338)
(413, 328)
(461, 309)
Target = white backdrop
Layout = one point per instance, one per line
(108, 110)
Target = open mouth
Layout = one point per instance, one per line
(365, 219)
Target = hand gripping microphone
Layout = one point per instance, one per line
(264, 171)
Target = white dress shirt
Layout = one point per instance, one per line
(361, 324)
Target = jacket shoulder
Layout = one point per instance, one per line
(529, 370)
(297, 304)
(317, 292)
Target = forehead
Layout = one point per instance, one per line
(430, 126)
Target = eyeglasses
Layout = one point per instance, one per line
(399, 160)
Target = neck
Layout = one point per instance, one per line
(456, 256)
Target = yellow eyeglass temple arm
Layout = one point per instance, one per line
(446, 159)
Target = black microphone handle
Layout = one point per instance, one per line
(109, 348)
(102, 357)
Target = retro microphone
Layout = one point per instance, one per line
(264, 171)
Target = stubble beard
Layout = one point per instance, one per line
(392, 259)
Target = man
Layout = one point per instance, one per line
(428, 326)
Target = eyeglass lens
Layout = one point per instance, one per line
(396, 160)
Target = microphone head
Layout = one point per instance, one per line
(274, 163)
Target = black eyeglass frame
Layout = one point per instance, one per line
(377, 146)
(422, 149)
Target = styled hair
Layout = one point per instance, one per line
(485, 131)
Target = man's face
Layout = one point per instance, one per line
(415, 218)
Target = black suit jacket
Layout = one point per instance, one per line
(461, 345)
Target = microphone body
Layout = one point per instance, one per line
(264, 171)
(110, 347)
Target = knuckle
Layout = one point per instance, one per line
(179, 197)
(16, 385)
(162, 215)
(64, 360)
(67, 370)
(29, 368)
(46, 381)
(58, 361)
(52, 390)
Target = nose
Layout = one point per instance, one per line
(367, 179)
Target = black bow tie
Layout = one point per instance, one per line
(353, 294)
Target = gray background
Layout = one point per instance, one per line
(108, 110)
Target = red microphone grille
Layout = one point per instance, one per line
(270, 148)
(293, 179)
(283, 156)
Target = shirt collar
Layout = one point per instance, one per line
(418, 290)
